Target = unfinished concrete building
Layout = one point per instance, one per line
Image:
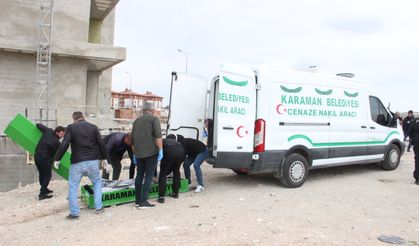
(81, 59)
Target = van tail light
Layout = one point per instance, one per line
(259, 136)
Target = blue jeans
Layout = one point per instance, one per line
(197, 162)
(77, 171)
(145, 166)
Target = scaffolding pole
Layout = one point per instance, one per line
(43, 61)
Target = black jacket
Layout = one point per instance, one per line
(172, 148)
(406, 123)
(192, 146)
(48, 144)
(168, 143)
(86, 143)
(115, 146)
(414, 131)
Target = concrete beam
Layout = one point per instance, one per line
(99, 9)
(99, 56)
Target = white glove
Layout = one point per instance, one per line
(108, 169)
(56, 164)
(106, 166)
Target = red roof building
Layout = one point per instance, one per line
(128, 99)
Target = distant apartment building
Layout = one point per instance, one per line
(128, 104)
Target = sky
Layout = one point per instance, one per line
(378, 41)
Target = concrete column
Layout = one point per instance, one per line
(92, 87)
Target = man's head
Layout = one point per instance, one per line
(60, 131)
(78, 116)
(148, 108)
(171, 136)
(127, 139)
(410, 113)
(179, 137)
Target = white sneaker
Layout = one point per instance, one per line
(199, 189)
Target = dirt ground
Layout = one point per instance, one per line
(339, 206)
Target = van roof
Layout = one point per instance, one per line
(278, 73)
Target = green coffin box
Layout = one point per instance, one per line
(25, 133)
(127, 195)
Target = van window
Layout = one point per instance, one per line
(378, 112)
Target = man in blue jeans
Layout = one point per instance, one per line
(87, 149)
(196, 153)
(148, 149)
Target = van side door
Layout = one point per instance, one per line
(187, 106)
(379, 133)
(348, 126)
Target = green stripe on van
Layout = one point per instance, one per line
(288, 90)
(320, 92)
(336, 144)
(236, 83)
(350, 94)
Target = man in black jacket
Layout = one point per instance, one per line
(414, 134)
(116, 145)
(44, 156)
(406, 126)
(196, 153)
(87, 149)
(173, 156)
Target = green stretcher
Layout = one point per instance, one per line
(127, 195)
(25, 133)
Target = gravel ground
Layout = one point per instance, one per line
(337, 206)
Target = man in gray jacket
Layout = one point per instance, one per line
(148, 149)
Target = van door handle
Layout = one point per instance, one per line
(372, 127)
(228, 128)
(364, 127)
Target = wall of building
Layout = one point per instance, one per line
(21, 18)
(71, 82)
(79, 75)
(16, 81)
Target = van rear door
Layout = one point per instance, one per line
(187, 106)
(234, 117)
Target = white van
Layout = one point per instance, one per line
(285, 122)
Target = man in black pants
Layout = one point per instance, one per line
(44, 156)
(116, 145)
(414, 134)
(173, 157)
(407, 125)
(148, 149)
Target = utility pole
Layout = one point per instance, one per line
(186, 56)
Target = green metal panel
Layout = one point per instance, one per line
(128, 195)
(25, 133)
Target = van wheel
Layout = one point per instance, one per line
(294, 171)
(392, 158)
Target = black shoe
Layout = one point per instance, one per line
(44, 196)
(99, 211)
(417, 182)
(72, 217)
(145, 205)
(49, 191)
(175, 195)
(160, 200)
